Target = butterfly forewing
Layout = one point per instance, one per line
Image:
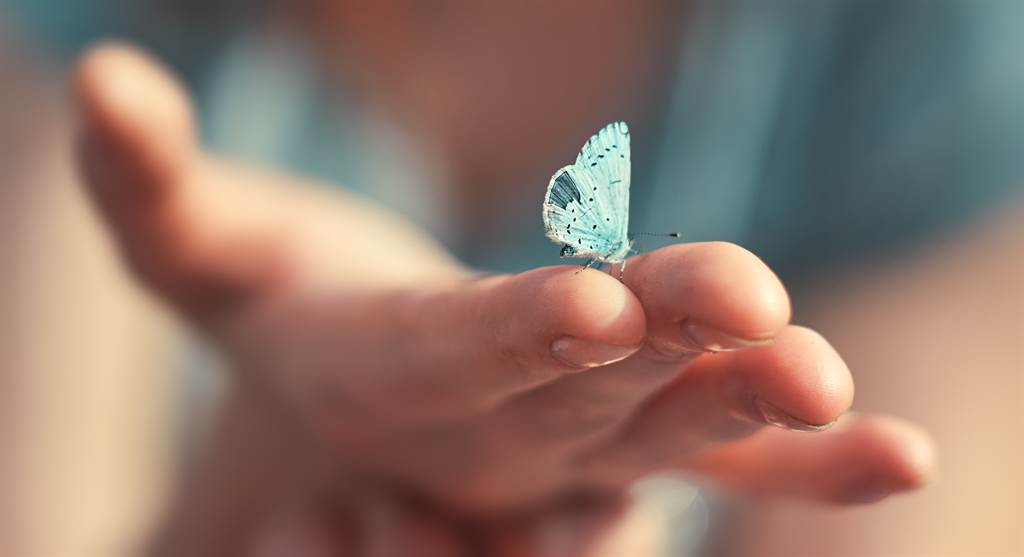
(587, 203)
(607, 155)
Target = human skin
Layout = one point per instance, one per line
(967, 393)
(372, 369)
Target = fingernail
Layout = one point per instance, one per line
(703, 338)
(871, 492)
(780, 418)
(587, 354)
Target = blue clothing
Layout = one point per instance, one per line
(819, 132)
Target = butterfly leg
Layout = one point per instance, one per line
(587, 265)
(622, 270)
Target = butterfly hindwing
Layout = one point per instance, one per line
(587, 203)
(572, 217)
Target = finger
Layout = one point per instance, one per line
(444, 352)
(131, 105)
(697, 298)
(862, 460)
(799, 382)
(187, 234)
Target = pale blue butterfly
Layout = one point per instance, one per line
(586, 207)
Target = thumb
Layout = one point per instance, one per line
(184, 228)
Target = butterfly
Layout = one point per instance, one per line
(586, 207)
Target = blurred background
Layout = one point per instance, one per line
(872, 152)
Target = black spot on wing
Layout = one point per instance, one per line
(564, 190)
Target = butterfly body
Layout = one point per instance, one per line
(586, 207)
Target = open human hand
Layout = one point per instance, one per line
(484, 395)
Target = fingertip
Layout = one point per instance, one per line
(753, 302)
(801, 374)
(132, 105)
(718, 284)
(908, 451)
(873, 457)
(599, 307)
(567, 320)
(921, 461)
(589, 305)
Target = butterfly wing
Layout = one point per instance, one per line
(572, 217)
(607, 155)
(587, 204)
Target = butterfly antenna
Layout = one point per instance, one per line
(656, 235)
(634, 238)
